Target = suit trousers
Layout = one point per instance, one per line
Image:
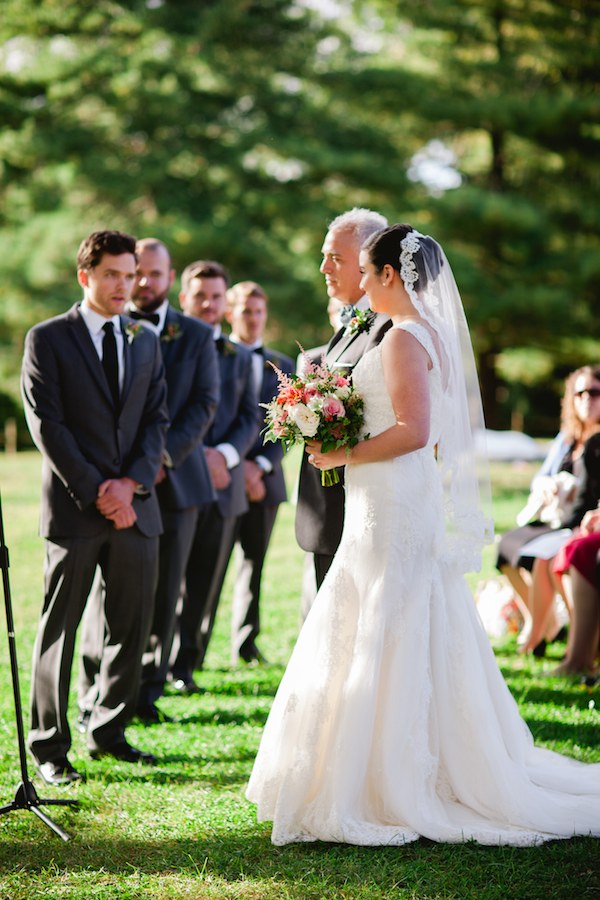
(175, 545)
(174, 548)
(204, 577)
(253, 534)
(128, 562)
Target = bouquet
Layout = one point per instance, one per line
(320, 404)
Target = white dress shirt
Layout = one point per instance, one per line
(257, 360)
(258, 366)
(232, 457)
(95, 324)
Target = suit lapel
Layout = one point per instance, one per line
(128, 362)
(269, 381)
(82, 338)
(167, 347)
(345, 342)
(341, 347)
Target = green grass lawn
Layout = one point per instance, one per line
(184, 829)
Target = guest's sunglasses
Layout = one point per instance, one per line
(591, 392)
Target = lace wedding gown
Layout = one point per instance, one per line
(393, 720)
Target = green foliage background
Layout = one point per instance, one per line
(236, 130)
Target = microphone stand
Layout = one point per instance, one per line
(26, 796)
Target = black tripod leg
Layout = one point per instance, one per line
(26, 796)
(50, 822)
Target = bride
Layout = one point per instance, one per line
(392, 720)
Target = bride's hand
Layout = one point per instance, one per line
(330, 460)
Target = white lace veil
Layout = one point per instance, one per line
(430, 284)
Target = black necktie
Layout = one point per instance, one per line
(110, 363)
(257, 350)
(149, 317)
(220, 344)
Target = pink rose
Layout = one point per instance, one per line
(341, 381)
(309, 393)
(333, 408)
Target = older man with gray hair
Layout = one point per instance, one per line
(320, 510)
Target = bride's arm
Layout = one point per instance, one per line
(405, 367)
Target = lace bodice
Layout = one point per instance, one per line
(369, 381)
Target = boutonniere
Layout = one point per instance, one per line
(357, 322)
(172, 333)
(229, 348)
(132, 330)
(276, 361)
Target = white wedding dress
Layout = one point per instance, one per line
(393, 720)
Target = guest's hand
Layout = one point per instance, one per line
(218, 468)
(255, 486)
(547, 488)
(114, 494)
(330, 460)
(591, 522)
(124, 518)
(161, 474)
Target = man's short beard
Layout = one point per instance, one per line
(150, 306)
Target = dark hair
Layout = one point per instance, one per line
(204, 268)
(98, 243)
(572, 426)
(384, 249)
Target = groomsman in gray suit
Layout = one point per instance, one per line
(230, 437)
(320, 510)
(183, 484)
(265, 484)
(95, 400)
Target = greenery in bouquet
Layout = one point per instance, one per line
(319, 405)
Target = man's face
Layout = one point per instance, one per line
(205, 299)
(248, 318)
(107, 287)
(154, 278)
(340, 266)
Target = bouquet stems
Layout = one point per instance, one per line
(329, 477)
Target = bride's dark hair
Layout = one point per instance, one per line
(384, 248)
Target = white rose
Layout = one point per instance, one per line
(306, 420)
(342, 393)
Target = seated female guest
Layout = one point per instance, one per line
(579, 423)
(576, 565)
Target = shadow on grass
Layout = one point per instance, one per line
(582, 734)
(257, 681)
(225, 717)
(560, 870)
(574, 695)
(206, 773)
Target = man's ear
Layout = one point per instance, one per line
(182, 300)
(171, 277)
(228, 314)
(82, 278)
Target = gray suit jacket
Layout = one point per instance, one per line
(192, 374)
(320, 510)
(237, 421)
(83, 438)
